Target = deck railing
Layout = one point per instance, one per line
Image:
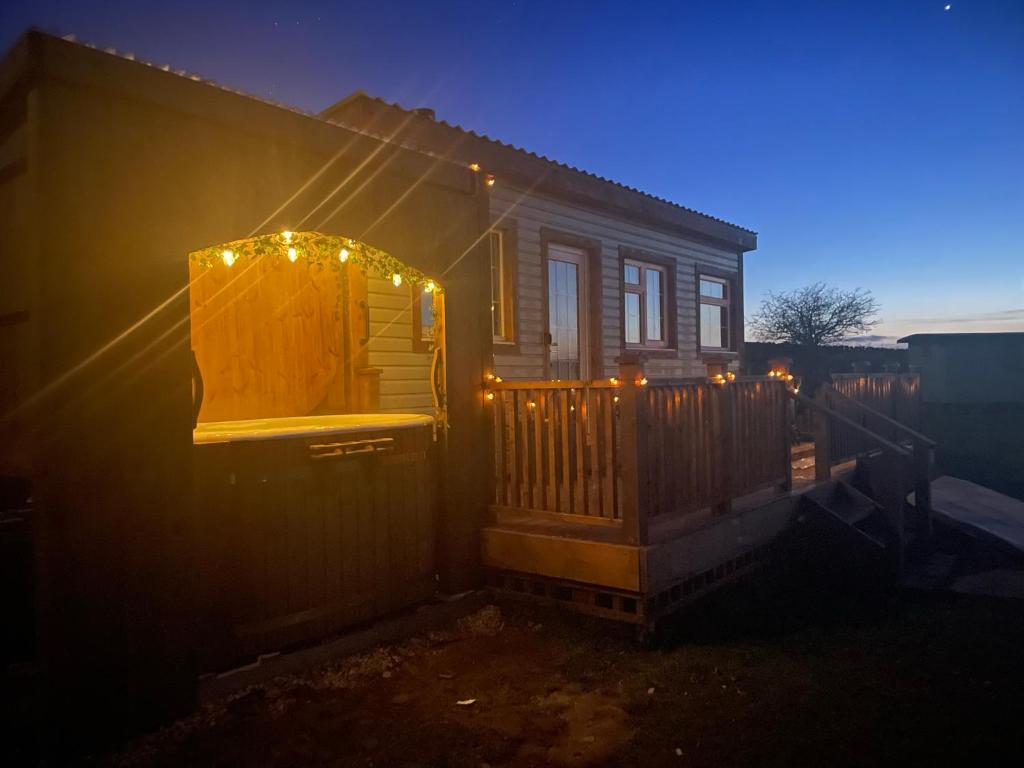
(894, 396)
(625, 452)
(556, 447)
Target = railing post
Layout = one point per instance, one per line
(727, 445)
(822, 439)
(632, 466)
(923, 488)
(788, 430)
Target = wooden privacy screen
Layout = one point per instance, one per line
(268, 339)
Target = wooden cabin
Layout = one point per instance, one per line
(633, 470)
(623, 444)
(166, 547)
(237, 442)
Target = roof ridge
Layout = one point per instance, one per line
(545, 158)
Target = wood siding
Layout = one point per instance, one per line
(526, 214)
(405, 375)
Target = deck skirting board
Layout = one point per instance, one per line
(616, 566)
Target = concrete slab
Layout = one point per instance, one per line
(978, 511)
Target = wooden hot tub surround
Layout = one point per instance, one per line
(308, 534)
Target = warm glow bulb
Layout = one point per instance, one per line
(229, 258)
(474, 167)
(429, 287)
(490, 395)
(343, 256)
(613, 381)
(287, 236)
(489, 179)
(396, 279)
(292, 255)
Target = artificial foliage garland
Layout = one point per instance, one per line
(318, 251)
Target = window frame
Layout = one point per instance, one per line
(730, 303)
(507, 341)
(640, 289)
(669, 265)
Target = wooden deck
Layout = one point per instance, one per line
(629, 496)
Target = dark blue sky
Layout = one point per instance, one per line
(873, 144)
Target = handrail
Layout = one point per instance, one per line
(887, 419)
(888, 445)
(553, 384)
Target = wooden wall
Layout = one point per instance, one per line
(132, 168)
(405, 374)
(16, 249)
(267, 338)
(530, 213)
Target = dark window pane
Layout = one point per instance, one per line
(427, 316)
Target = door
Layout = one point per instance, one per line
(567, 313)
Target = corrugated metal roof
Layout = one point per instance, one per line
(71, 38)
(558, 164)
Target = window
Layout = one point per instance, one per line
(423, 320)
(427, 317)
(715, 300)
(502, 281)
(643, 302)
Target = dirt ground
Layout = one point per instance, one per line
(766, 673)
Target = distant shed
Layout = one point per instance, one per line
(972, 387)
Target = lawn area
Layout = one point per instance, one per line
(767, 673)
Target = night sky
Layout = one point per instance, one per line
(871, 144)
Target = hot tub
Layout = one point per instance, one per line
(311, 525)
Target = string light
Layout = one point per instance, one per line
(489, 179)
(287, 235)
(614, 381)
(429, 286)
(474, 167)
(531, 404)
(730, 376)
(615, 399)
(343, 255)
(396, 279)
(642, 381)
(497, 379)
(292, 255)
(489, 396)
(229, 257)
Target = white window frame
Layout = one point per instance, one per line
(641, 290)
